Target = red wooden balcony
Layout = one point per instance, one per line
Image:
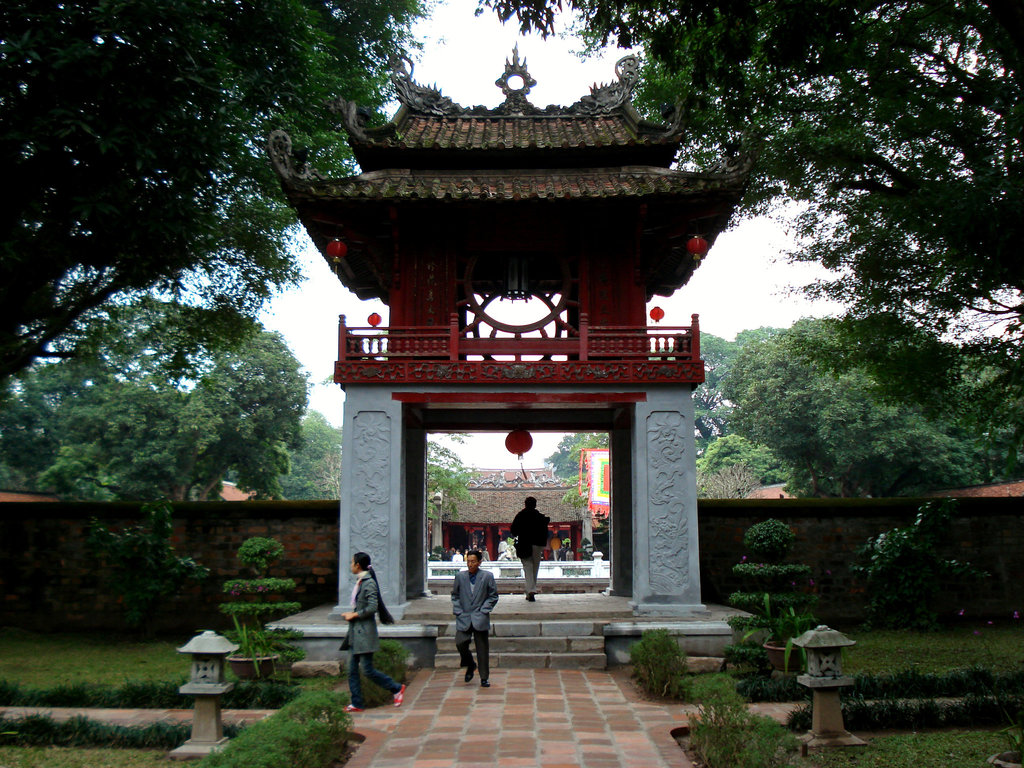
(426, 353)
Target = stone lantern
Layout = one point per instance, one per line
(824, 648)
(207, 684)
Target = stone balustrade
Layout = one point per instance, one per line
(598, 568)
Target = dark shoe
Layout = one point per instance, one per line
(469, 672)
(530, 598)
(485, 684)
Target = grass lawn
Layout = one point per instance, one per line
(996, 647)
(945, 749)
(62, 757)
(43, 661)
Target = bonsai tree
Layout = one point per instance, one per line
(260, 600)
(779, 608)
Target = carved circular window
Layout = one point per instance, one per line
(551, 295)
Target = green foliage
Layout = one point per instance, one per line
(315, 466)
(733, 449)
(566, 458)
(915, 714)
(309, 732)
(141, 565)
(262, 601)
(392, 659)
(833, 432)
(134, 135)
(659, 664)
(904, 571)
(447, 479)
(1014, 732)
(259, 553)
(769, 541)
(142, 694)
(81, 732)
(124, 423)
(725, 735)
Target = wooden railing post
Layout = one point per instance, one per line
(342, 333)
(695, 336)
(584, 336)
(453, 337)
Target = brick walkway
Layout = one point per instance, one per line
(546, 718)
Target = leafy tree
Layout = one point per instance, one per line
(732, 450)
(141, 565)
(315, 466)
(712, 410)
(896, 126)
(447, 476)
(836, 436)
(116, 426)
(131, 139)
(566, 458)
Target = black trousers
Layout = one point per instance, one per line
(483, 649)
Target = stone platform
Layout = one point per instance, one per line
(558, 631)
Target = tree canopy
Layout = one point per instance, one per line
(118, 426)
(314, 468)
(896, 127)
(131, 143)
(832, 431)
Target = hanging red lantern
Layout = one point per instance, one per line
(697, 246)
(657, 313)
(336, 250)
(374, 320)
(518, 441)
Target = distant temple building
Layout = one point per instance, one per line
(497, 495)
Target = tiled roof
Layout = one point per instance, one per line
(498, 495)
(567, 184)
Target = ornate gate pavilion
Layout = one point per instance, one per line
(460, 213)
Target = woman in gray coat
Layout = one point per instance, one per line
(362, 639)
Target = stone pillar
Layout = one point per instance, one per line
(666, 566)
(415, 479)
(372, 518)
(620, 558)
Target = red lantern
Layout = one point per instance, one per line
(336, 249)
(518, 441)
(697, 246)
(374, 320)
(657, 313)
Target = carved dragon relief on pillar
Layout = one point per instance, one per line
(667, 530)
(370, 523)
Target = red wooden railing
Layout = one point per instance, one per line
(594, 342)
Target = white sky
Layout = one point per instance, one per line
(742, 283)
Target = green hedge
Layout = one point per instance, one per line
(310, 732)
(144, 695)
(41, 731)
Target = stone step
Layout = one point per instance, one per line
(580, 628)
(529, 660)
(589, 644)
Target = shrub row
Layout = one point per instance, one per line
(143, 695)
(39, 731)
(906, 684)
(310, 732)
(913, 714)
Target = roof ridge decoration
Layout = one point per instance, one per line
(428, 100)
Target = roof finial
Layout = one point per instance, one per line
(515, 90)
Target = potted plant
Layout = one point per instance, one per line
(782, 628)
(1014, 734)
(260, 600)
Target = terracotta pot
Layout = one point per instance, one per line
(250, 669)
(777, 658)
(1006, 760)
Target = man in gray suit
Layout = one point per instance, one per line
(473, 598)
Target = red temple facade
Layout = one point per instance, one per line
(516, 248)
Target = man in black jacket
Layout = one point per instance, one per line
(530, 528)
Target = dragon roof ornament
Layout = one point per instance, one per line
(429, 100)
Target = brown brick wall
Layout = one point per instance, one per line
(49, 580)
